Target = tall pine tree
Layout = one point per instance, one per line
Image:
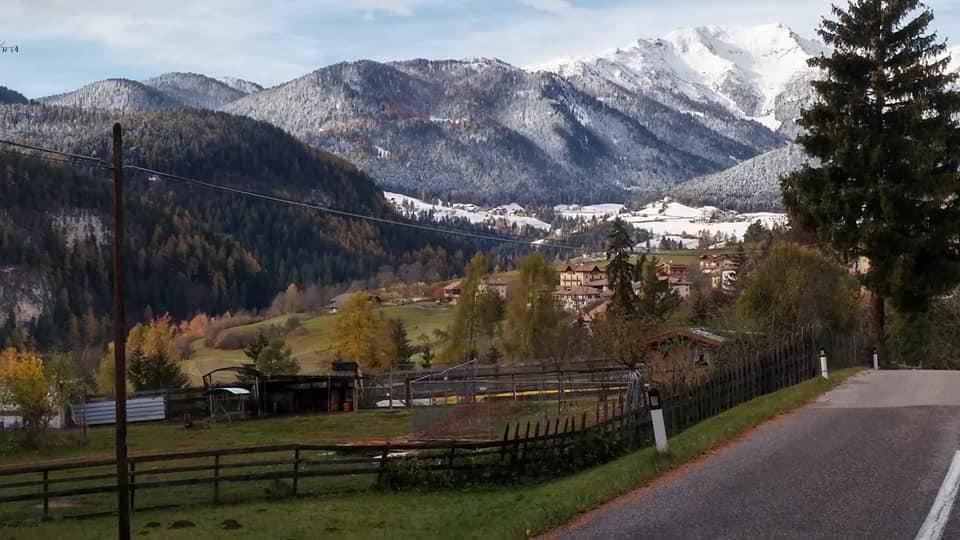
(884, 134)
(620, 272)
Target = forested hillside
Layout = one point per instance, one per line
(54, 231)
(191, 250)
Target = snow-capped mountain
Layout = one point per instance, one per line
(164, 92)
(638, 120)
(756, 73)
(483, 129)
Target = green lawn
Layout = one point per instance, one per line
(312, 346)
(510, 512)
(155, 438)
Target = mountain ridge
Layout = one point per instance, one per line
(632, 122)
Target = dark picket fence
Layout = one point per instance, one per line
(528, 448)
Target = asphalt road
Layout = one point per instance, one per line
(867, 460)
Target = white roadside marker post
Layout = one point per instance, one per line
(656, 414)
(823, 364)
(876, 360)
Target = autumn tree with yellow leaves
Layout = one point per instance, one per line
(23, 384)
(362, 335)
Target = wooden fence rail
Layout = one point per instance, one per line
(524, 445)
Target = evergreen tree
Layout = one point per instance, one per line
(620, 272)
(402, 349)
(888, 146)
(256, 346)
(277, 359)
(155, 371)
(656, 299)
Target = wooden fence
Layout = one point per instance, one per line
(523, 450)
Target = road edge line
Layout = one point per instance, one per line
(936, 523)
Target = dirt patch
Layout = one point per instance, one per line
(639, 493)
(231, 524)
(182, 524)
(153, 525)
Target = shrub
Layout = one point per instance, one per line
(227, 321)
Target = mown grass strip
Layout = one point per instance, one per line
(508, 512)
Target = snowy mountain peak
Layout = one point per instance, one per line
(745, 69)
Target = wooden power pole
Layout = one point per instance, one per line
(119, 341)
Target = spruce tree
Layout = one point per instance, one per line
(620, 272)
(886, 142)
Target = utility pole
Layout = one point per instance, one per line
(119, 341)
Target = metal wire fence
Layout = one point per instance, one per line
(463, 403)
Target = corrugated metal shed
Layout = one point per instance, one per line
(139, 409)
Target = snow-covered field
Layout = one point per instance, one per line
(513, 213)
(663, 219)
(676, 221)
(587, 212)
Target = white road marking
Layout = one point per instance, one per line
(936, 522)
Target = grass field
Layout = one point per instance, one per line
(154, 438)
(312, 346)
(514, 512)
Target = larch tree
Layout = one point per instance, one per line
(361, 334)
(533, 316)
(887, 147)
(465, 327)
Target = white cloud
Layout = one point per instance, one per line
(558, 7)
(271, 42)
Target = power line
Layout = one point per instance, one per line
(327, 209)
(58, 152)
(287, 201)
(33, 156)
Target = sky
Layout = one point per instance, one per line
(64, 44)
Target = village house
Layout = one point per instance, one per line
(451, 292)
(576, 299)
(681, 286)
(722, 270)
(580, 275)
(699, 345)
(676, 275)
(494, 284)
(337, 302)
(672, 269)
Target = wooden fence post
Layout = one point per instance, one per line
(383, 464)
(46, 499)
(450, 457)
(296, 469)
(216, 478)
(133, 485)
(503, 446)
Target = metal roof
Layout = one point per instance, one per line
(237, 391)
